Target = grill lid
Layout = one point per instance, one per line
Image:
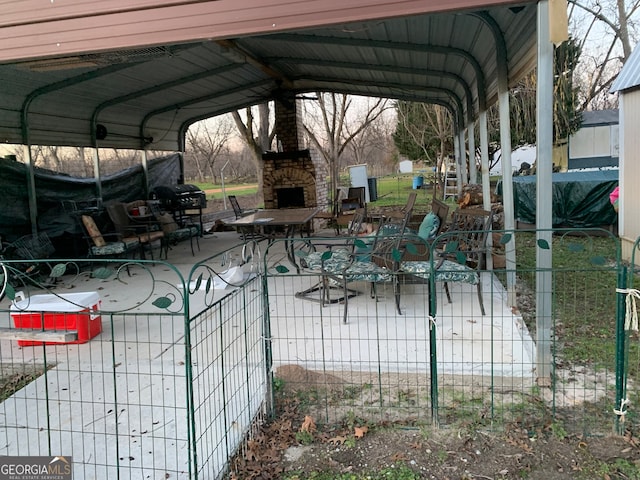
(176, 196)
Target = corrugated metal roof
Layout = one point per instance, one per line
(629, 76)
(150, 94)
(593, 118)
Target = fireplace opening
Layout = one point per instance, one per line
(292, 197)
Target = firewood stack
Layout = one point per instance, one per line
(472, 195)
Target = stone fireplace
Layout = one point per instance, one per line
(291, 180)
(290, 197)
(292, 177)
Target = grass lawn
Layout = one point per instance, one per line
(584, 286)
(392, 190)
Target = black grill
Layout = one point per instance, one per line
(180, 197)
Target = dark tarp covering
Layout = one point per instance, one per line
(54, 190)
(580, 199)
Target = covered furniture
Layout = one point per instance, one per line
(580, 199)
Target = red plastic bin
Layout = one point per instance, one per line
(68, 311)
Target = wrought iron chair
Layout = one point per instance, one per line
(461, 258)
(172, 231)
(237, 209)
(343, 266)
(313, 260)
(107, 245)
(249, 232)
(146, 230)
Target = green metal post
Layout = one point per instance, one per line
(620, 350)
(191, 405)
(268, 347)
(433, 346)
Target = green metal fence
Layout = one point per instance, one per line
(184, 370)
(165, 381)
(229, 377)
(447, 363)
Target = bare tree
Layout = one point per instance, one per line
(606, 31)
(374, 144)
(258, 141)
(207, 142)
(331, 127)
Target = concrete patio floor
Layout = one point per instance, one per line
(304, 333)
(497, 343)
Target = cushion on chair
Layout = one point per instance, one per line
(167, 223)
(183, 234)
(429, 227)
(173, 232)
(314, 260)
(449, 271)
(365, 272)
(150, 237)
(114, 248)
(94, 232)
(340, 263)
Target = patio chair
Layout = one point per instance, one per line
(431, 225)
(315, 259)
(144, 227)
(237, 210)
(462, 256)
(357, 263)
(107, 245)
(173, 233)
(344, 208)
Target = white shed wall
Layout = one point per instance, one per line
(592, 142)
(629, 220)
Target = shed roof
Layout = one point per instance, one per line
(145, 70)
(629, 76)
(594, 118)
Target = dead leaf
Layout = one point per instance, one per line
(337, 440)
(416, 445)
(359, 432)
(308, 425)
(399, 457)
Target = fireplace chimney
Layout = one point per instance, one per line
(287, 120)
(293, 177)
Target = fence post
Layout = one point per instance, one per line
(433, 346)
(621, 335)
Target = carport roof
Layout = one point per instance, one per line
(146, 70)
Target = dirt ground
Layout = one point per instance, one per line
(292, 446)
